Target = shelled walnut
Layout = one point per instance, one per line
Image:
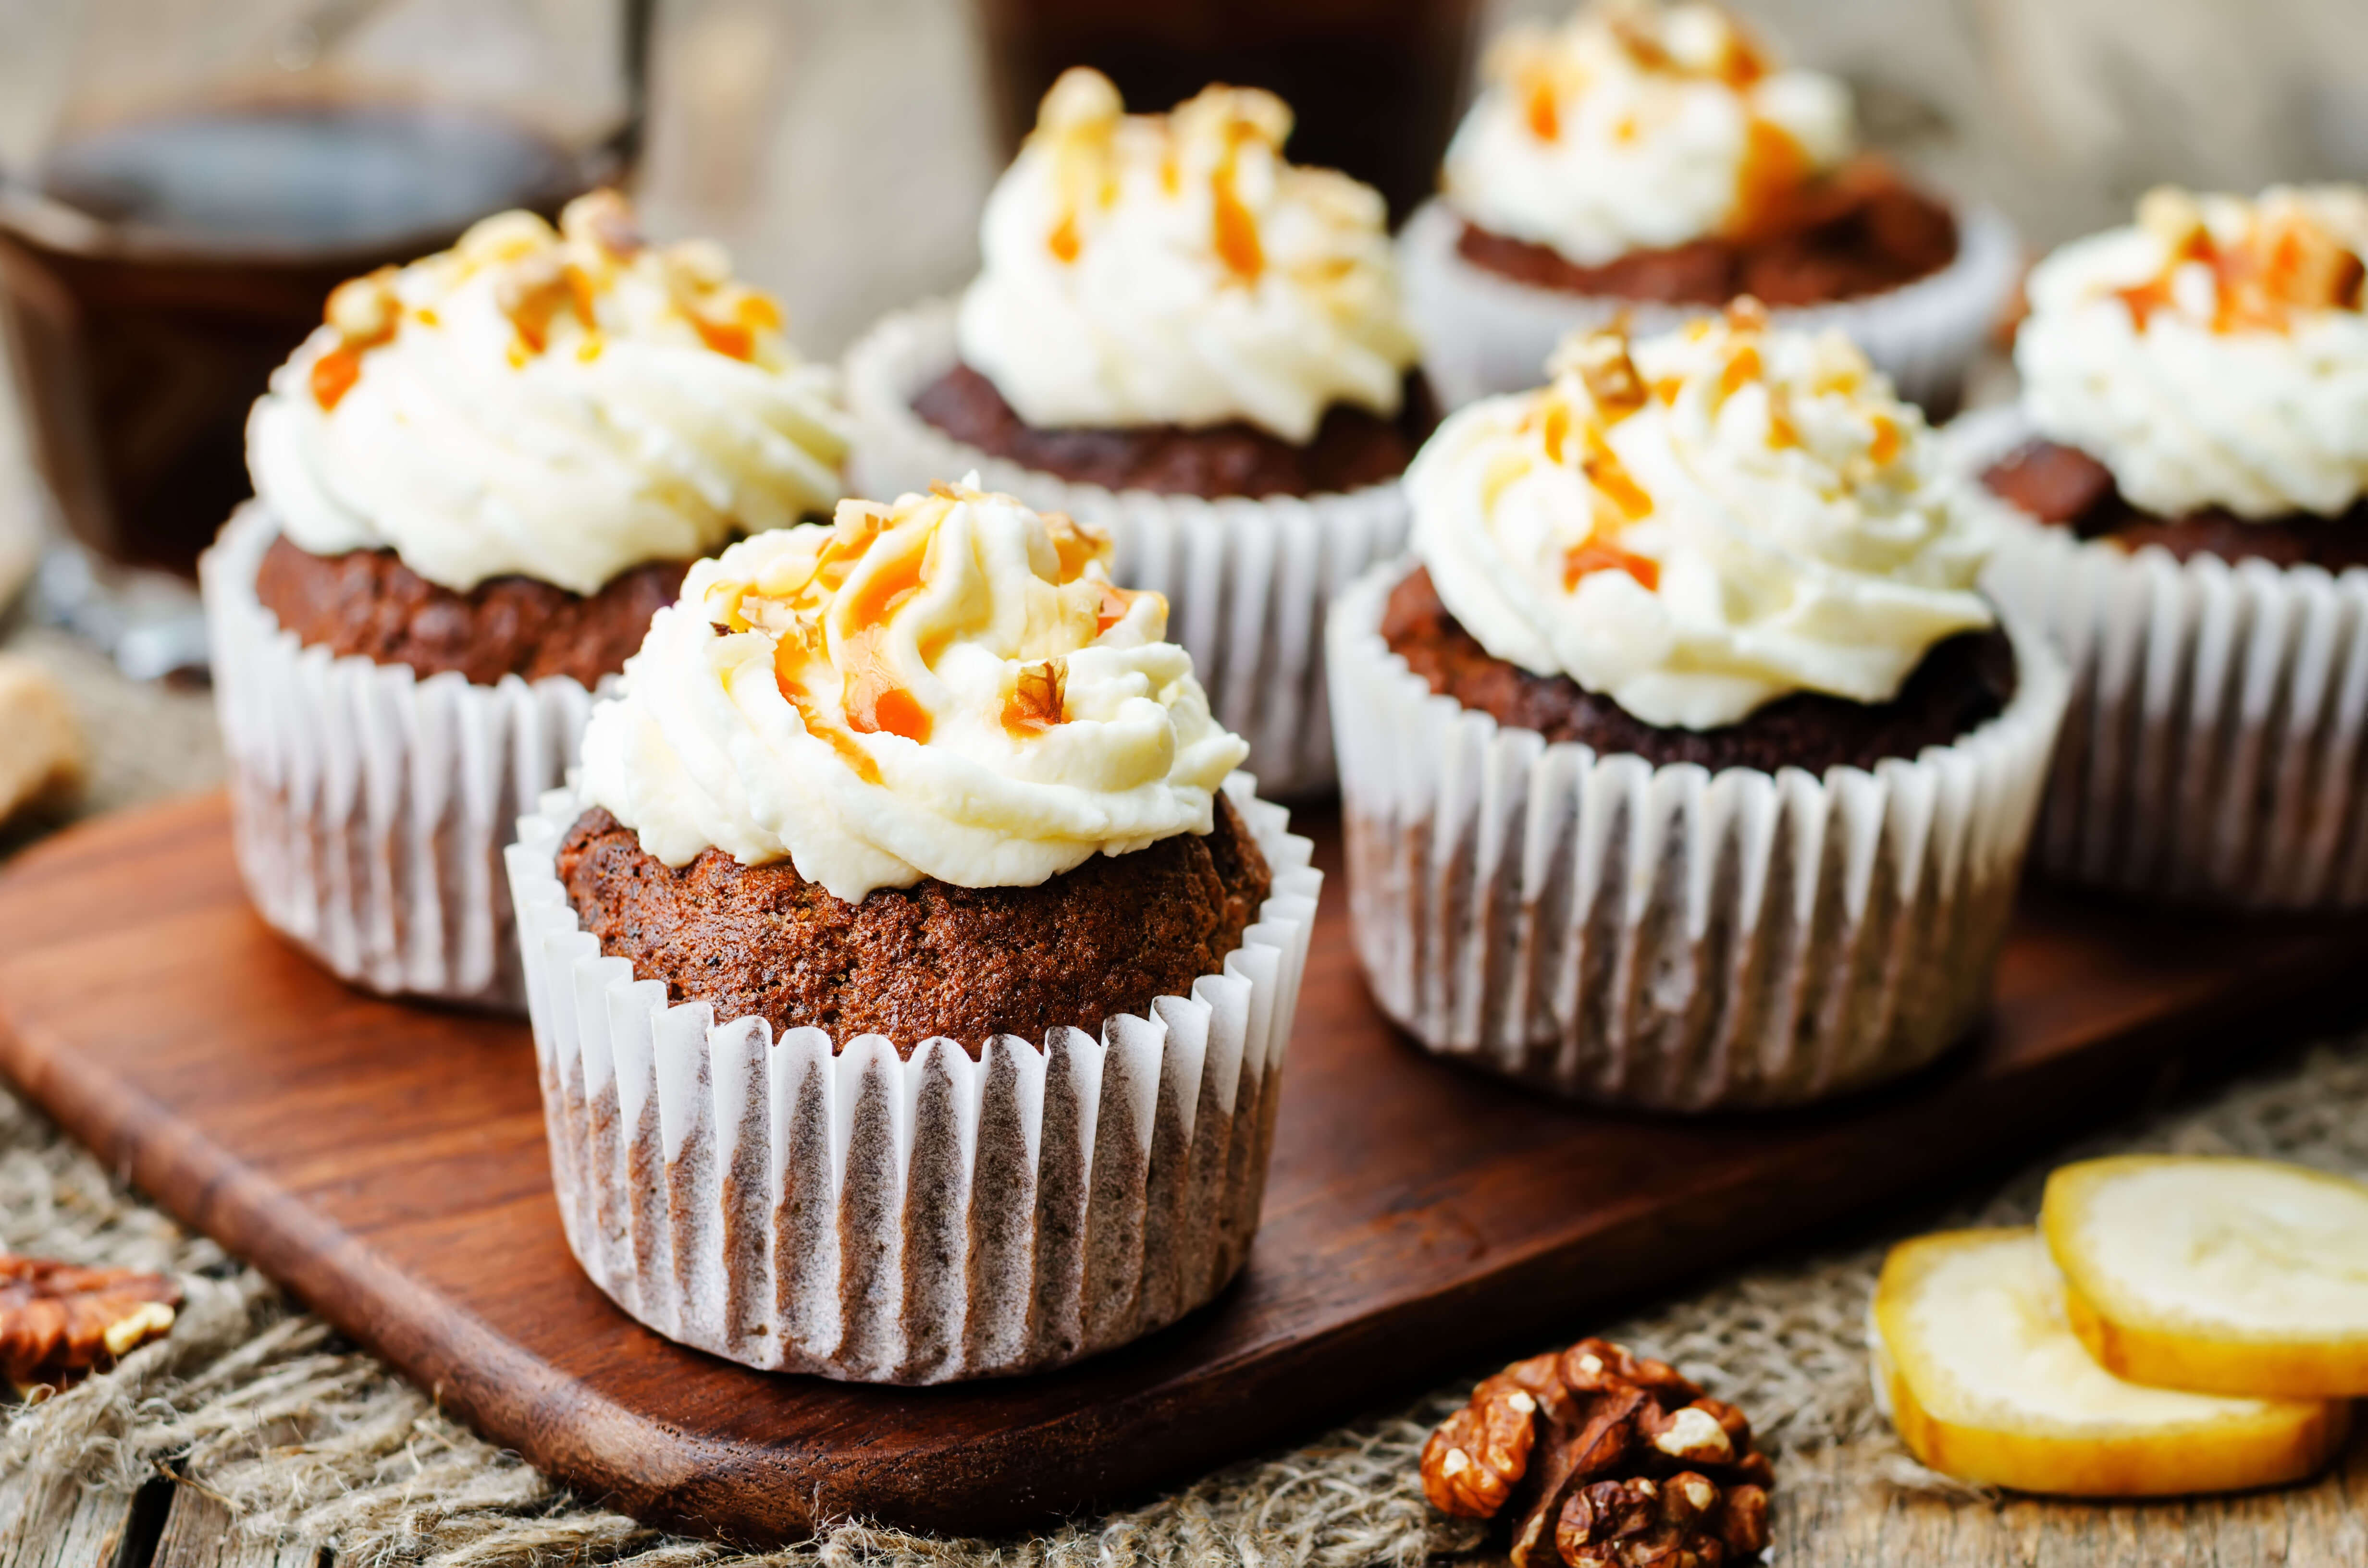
(59, 1321)
(1600, 1459)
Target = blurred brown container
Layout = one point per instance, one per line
(170, 242)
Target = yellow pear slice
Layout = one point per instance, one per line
(2220, 1276)
(1977, 1366)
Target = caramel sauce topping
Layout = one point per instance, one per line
(1112, 609)
(1888, 441)
(1602, 555)
(1773, 173)
(730, 339)
(333, 375)
(1544, 115)
(1236, 234)
(365, 312)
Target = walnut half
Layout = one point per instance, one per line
(59, 1321)
(1596, 1457)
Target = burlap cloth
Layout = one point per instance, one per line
(306, 1436)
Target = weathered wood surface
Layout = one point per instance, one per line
(387, 1163)
(1865, 1526)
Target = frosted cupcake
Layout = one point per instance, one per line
(2189, 462)
(910, 972)
(1683, 765)
(474, 485)
(1194, 344)
(1657, 161)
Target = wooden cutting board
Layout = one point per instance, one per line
(387, 1163)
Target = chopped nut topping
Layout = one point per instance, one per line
(1613, 1460)
(1600, 361)
(1037, 701)
(59, 1322)
(2265, 260)
(364, 308)
(606, 219)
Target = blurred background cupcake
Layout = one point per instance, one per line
(2189, 462)
(474, 483)
(914, 837)
(1181, 337)
(1657, 161)
(1683, 765)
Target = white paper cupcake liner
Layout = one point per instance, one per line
(1246, 581)
(2212, 752)
(369, 807)
(1483, 333)
(800, 1206)
(1668, 936)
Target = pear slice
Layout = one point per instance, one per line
(1977, 1366)
(2216, 1274)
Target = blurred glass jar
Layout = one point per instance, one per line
(183, 181)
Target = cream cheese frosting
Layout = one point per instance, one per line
(1635, 126)
(948, 686)
(1173, 269)
(1698, 523)
(559, 404)
(2213, 354)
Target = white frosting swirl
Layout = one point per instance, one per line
(1634, 127)
(559, 404)
(1711, 519)
(1172, 269)
(946, 688)
(2214, 355)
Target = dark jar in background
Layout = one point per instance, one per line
(210, 174)
(1375, 84)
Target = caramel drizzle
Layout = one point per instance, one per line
(1234, 228)
(1593, 555)
(1570, 435)
(366, 313)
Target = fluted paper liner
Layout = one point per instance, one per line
(1484, 333)
(802, 1207)
(1245, 580)
(2212, 751)
(1668, 937)
(370, 808)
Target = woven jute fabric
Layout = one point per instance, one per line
(307, 1437)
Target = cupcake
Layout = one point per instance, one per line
(910, 970)
(474, 485)
(1682, 766)
(1658, 162)
(2189, 470)
(1181, 339)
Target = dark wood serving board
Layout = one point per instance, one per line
(387, 1163)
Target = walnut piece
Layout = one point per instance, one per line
(59, 1321)
(1596, 1457)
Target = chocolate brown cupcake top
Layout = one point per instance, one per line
(1109, 936)
(2212, 357)
(1697, 524)
(559, 404)
(366, 602)
(947, 688)
(1175, 271)
(1636, 127)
